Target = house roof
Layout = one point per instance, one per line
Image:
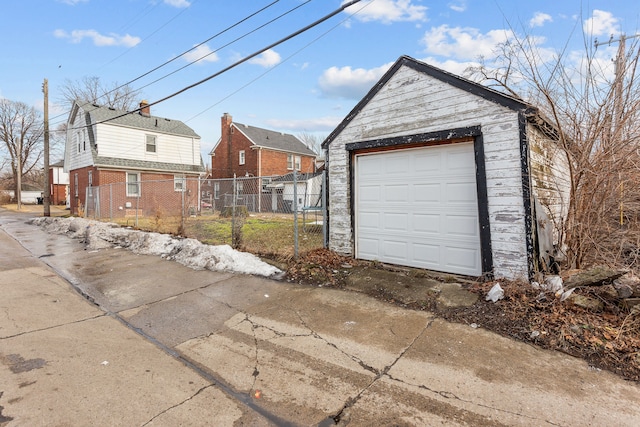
(531, 113)
(301, 177)
(57, 164)
(108, 115)
(97, 114)
(274, 140)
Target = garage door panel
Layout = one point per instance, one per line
(460, 159)
(398, 165)
(394, 250)
(426, 223)
(461, 225)
(423, 213)
(461, 192)
(395, 222)
(369, 193)
(427, 193)
(369, 248)
(396, 193)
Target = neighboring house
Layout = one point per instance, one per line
(107, 146)
(244, 150)
(59, 184)
(434, 171)
(309, 189)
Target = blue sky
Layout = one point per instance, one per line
(307, 84)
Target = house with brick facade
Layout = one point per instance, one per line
(105, 146)
(59, 184)
(244, 150)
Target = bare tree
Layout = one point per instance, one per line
(91, 89)
(311, 140)
(21, 130)
(598, 111)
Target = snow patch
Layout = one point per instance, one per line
(188, 252)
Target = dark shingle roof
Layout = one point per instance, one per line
(147, 165)
(138, 121)
(301, 177)
(274, 140)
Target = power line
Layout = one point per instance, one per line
(185, 52)
(225, 45)
(235, 64)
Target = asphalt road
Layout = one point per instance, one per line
(112, 338)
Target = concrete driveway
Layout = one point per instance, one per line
(113, 338)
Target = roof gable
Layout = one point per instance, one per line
(444, 76)
(274, 140)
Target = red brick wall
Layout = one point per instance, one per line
(275, 163)
(157, 193)
(225, 161)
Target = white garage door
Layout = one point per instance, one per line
(418, 207)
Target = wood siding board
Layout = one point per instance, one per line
(483, 207)
(526, 193)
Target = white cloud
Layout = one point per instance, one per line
(463, 43)
(387, 11)
(72, 2)
(178, 3)
(458, 68)
(76, 36)
(349, 83)
(201, 54)
(268, 58)
(539, 19)
(458, 6)
(601, 24)
(319, 124)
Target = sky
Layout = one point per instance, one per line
(305, 85)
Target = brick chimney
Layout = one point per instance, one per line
(145, 110)
(225, 138)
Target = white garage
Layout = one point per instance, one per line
(434, 171)
(418, 207)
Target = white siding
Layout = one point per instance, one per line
(128, 143)
(77, 147)
(550, 178)
(412, 102)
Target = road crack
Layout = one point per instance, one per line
(178, 404)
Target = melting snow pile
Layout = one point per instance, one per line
(188, 252)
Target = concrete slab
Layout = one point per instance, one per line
(94, 372)
(35, 298)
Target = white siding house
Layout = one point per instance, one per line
(431, 170)
(108, 146)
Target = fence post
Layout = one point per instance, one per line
(138, 201)
(295, 213)
(111, 202)
(182, 211)
(325, 234)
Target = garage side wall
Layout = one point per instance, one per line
(551, 182)
(411, 102)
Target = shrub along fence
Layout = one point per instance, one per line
(272, 216)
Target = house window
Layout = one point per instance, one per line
(75, 184)
(290, 161)
(298, 162)
(179, 183)
(151, 143)
(90, 179)
(241, 157)
(216, 190)
(266, 181)
(79, 138)
(133, 184)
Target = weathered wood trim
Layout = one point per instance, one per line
(486, 252)
(405, 141)
(526, 192)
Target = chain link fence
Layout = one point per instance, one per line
(271, 216)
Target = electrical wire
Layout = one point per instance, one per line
(235, 64)
(66, 113)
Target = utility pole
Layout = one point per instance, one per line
(620, 65)
(47, 184)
